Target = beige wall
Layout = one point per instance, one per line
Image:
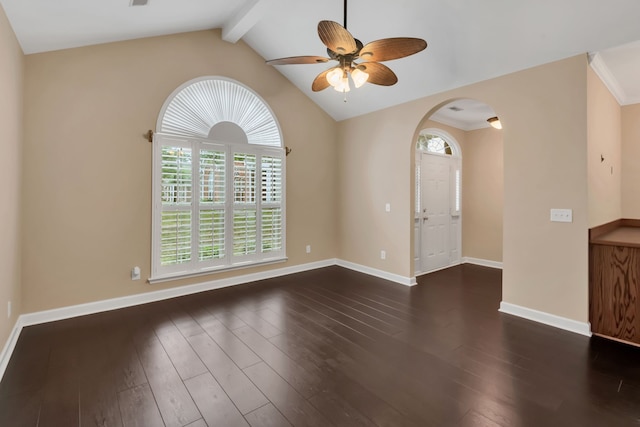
(86, 226)
(87, 185)
(631, 161)
(11, 88)
(482, 194)
(603, 140)
(545, 264)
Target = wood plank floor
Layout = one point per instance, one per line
(330, 347)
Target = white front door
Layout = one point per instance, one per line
(435, 215)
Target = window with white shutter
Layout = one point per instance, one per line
(271, 199)
(176, 220)
(211, 210)
(218, 197)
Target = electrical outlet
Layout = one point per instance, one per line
(383, 254)
(135, 273)
(561, 215)
(387, 207)
(308, 249)
(9, 310)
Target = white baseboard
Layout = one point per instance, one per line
(62, 313)
(39, 317)
(466, 260)
(153, 296)
(482, 262)
(422, 273)
(10, 345)
(570, 325)
(403, 280)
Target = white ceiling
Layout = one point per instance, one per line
(469, 40)
(465, 114)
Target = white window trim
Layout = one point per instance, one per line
(229, 262)
(204, 272)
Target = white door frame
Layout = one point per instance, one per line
(455, 200)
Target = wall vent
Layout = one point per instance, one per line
(139, 2)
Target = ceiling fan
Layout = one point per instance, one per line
(344, 48)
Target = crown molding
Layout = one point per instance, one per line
(602, 70)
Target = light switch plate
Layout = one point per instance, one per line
(561, 215)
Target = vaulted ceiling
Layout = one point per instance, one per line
(469, 40)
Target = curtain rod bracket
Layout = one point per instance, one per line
(148, 136)
(287, 150)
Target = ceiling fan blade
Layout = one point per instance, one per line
(393, 48)
(298, 60)
(379, 74)
(336, 37)
(321, 82)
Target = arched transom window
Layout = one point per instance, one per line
(433, 144)
(218, 181)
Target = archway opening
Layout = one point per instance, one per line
(457, 204)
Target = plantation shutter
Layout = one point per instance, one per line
(271, 197)
(211, 204)
(245, 207)
(220, 205)
(176, 196)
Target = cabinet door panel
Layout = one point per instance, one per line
(614, 309)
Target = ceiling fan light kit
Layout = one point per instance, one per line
(359, 77)
(344, 48)
(337, 78)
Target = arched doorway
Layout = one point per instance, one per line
(448, 189)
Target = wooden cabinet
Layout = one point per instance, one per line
(614, 280)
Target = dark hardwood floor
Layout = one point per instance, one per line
(321, 348)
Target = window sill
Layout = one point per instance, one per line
(186, 275)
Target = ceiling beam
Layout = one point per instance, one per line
(245, 19)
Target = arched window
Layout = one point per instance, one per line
(433, 144)
(218, 181)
